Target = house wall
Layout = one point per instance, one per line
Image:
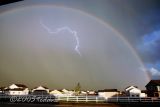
(143, 95)
(153, 91)
(56, 93)
(40, 92)
(152, 88)
(135, 92)
(107, 94)
(150, 93)
(134, 95)
(15, 93)
(111, 94)
(24, 92)
(158, 88)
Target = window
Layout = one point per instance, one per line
(158, 88)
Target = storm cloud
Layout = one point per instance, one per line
(30, 55)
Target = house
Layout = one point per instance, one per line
(56, 93)
(133, 91)
(143, 93)
(1, 90)
(66, 92)
(16, 89)
(106, 93)
(83, 93)
(40, 90)
(91, 92)
(153, 88)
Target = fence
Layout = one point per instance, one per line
(81, 99)
(31, 98)
(133, 100)
(95, 99)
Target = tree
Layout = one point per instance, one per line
(78, 89)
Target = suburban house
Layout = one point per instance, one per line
(16, 89)
(83, 93)
(56, 93)
(40, 90)
(153, 88)
(67, 92)
(91, 92)
(1, 90)
(133, 91)
(143, 93)
(106, 93)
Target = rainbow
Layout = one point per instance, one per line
(13, 8)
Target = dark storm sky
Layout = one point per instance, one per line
(136, 20)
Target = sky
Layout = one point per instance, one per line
(98, 43)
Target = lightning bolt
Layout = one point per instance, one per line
(58, 30)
